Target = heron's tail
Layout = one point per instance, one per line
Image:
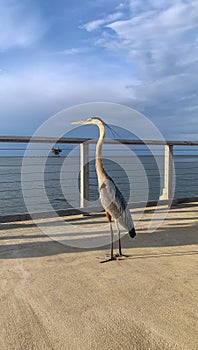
(126, 221)
(132, 232)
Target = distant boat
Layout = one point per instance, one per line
(56, 152)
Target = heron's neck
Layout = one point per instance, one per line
(99, 164)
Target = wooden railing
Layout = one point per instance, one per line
(167, 194)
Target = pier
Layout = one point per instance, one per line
(59, 297)
(55, 293)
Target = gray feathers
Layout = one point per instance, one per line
(113, 201)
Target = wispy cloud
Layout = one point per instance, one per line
(161, 41)
(71, 51)
(36, 92)
(93, 25)
(20, 24)
(161, 38)
(122, 6)
(143, 53)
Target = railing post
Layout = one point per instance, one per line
(168, 173)
(84, 174)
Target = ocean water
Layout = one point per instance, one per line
(55, 184)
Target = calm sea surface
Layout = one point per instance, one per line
(55, 184)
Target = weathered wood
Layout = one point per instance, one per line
(84, 174)
(26, 139)
(168, 173)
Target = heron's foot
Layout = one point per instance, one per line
(112, 258)
(120, 254)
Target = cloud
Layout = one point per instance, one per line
(93, 25)
(20, 24)
(161, 41)
(36, 92)
(71, 51)
(159, 38)
(149, 62)
(122, 6)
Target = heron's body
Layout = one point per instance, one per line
(111, 198)
(115, 205)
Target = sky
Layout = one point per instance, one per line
(59, 53)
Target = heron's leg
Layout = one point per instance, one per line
(111, 239)
(111, 236)
(111, 244)
(119, 240)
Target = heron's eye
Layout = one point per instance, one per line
(89, 119)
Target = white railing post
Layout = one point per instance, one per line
(168, 173)
(84, 174)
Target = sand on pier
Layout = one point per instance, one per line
(55, 297)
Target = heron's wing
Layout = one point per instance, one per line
(111, 198)
(113, 201)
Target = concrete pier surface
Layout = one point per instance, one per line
(57, 297)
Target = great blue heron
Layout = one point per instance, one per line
(111, 198)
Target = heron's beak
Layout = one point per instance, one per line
(79, 122)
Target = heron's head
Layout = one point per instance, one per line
(93, 120)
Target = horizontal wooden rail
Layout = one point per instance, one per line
(27, 139)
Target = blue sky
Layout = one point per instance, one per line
(140, 53)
